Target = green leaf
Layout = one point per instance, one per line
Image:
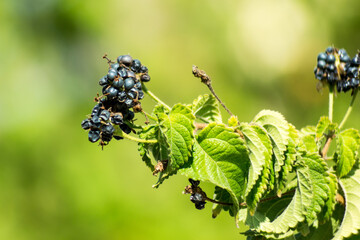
(206, 108)
(290, 157)
(280, 215)
(308, 130)
(350, 186)
(347, 145)
(322, 127)
(308, 144)
(278, 130)
(221, 195)
(324, 231)
(220, 157)
(328, 210)
(319, 183)
(178, 127)
(260, 150)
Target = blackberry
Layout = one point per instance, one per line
(96, 110)
(143, 69)
(130, 115)
(133, 93)
(129, 102)
(140, 95)
(198, 199)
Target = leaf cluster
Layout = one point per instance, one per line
(282, 182)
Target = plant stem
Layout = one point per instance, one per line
(221, 203)
(207, 81)
(331, 102)
(347, 114)
(138, 139)
(149, 116)
(156, 99)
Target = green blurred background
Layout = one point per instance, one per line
(57, 185)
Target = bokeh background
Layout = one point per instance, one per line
(54, 184)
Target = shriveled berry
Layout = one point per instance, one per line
(95, 122)
(143, 69)
(94, 135)
(130, 115)
(117, 119)
(193, 182)
(108, 129)
(105, 115)
(129, 102)
(122, 96)
(130, 74)
(196, 197)
(125, 128)
(122, 72)
(140, 94)
(96, 110)
(136, 65)
(145, 78)
(103, 81)
(118, 137)
(86, 124)
(133, 93)
(200, 205)
(129, 83)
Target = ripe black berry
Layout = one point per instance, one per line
(112, 92)
(115, 66)
(103, 81)
(322, 56)
(126, 60)
(136, 65)
(111, 74)
(107, 129)
(129, 83)
(131, 74)
(118, 83)
(321, 64)
(125, 128)
(117, 119)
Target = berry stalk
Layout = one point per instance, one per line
(154, 97)
(348, 112)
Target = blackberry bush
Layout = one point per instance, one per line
(282, 182)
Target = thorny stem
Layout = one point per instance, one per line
(207, 81)
(138, 139)
(347, 114)
(156, 99)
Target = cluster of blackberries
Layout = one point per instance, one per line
(197, 196)
(122, 90)
(335, 67)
